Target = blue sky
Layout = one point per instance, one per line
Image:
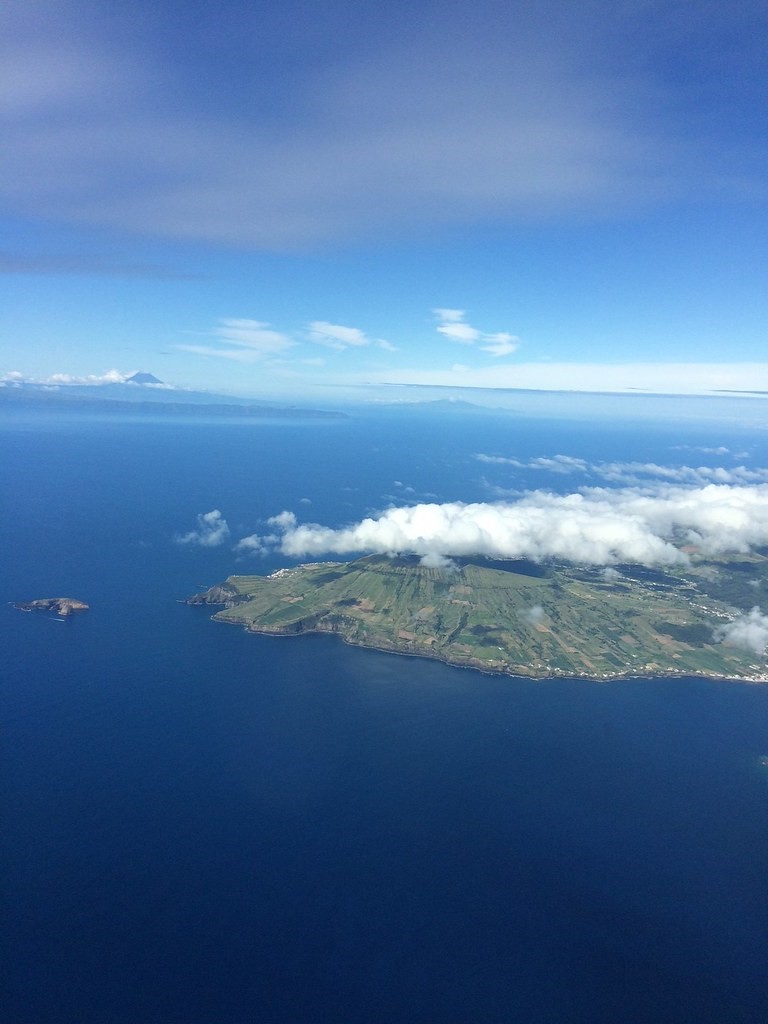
(317, 200)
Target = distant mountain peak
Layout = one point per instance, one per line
(142, 378)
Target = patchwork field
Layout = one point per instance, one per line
(515, 618)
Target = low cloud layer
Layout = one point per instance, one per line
(654, 378)
(749, 631)
(552, 464)
(212, 530)
(634, 473)
(596, 527)
(14, 377)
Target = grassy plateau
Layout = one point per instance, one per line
(515, 618)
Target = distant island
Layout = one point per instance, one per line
(515, 618)
(144, 394)
(63, 606)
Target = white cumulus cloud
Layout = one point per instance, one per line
(534, 615)
(108, 377)
(433, 560)
(749, 631)
(212, 530)
(253, 545)
(283, 520)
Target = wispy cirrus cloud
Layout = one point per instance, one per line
(500, 344)
(235, 355)
(339, 337)
(250, 341)
(253, 341)
(453, 325)
(253, 334)
(107, 126)
(336, 335)
(82, 265)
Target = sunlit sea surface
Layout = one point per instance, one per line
(204, 826)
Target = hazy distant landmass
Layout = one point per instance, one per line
(515, 618)
(145, 393)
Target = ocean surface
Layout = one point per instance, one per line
(205, 827)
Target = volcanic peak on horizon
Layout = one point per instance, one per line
(140, 377)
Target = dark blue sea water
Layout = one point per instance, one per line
(205, 826)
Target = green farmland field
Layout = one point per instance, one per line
(514, 618)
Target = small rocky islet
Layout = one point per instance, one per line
(62, 606)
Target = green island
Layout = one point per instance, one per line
(517, 618)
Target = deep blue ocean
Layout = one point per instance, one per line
(205, 827)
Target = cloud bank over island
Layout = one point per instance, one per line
(597, 527)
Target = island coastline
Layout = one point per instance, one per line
(562, 622)
(61, 606)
